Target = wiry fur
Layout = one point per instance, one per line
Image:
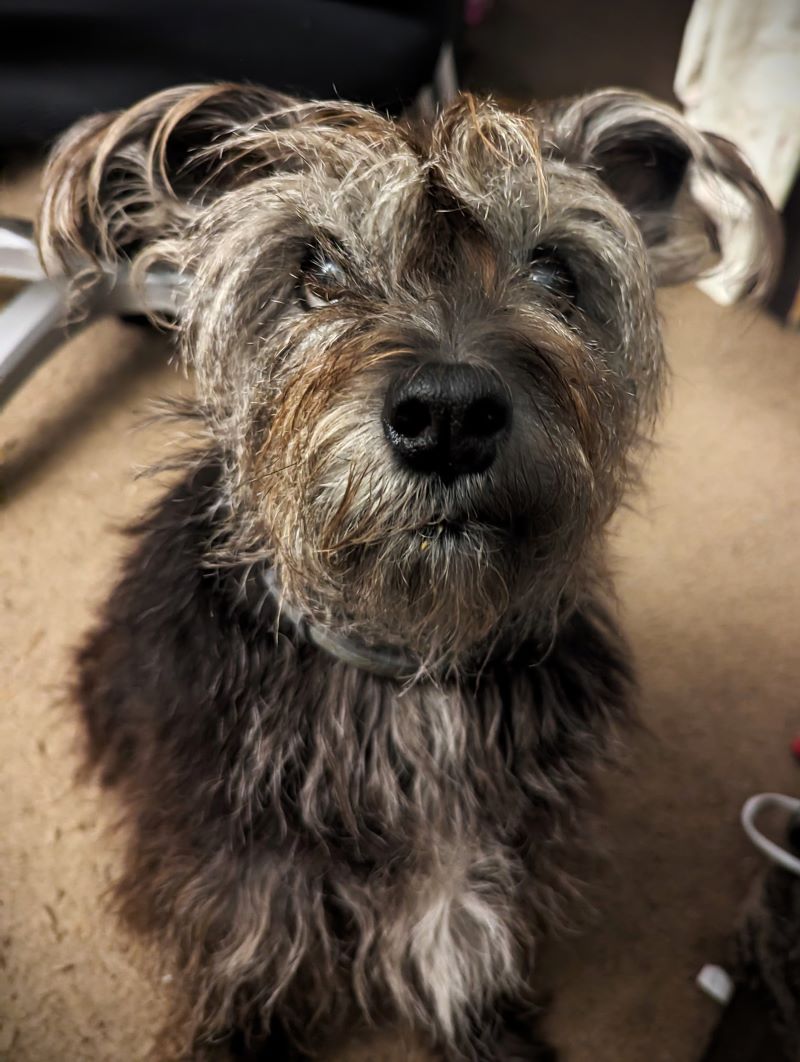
(307, 833)
(319, 845)
(768, 959)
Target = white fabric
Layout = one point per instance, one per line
(739, 76)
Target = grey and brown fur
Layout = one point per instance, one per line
(318, 847)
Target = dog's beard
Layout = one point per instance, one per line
(437, 590)
(446, 571)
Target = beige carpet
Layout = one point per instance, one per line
(710, 582)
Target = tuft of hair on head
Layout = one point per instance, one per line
(685, 188)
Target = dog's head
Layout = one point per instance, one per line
(426, 353)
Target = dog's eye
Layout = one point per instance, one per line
(322, 281)
(548, 271)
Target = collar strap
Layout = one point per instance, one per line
(377, 660)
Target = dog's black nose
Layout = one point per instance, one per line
(446, 419)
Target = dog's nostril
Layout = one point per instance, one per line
(484, 417)
(411, 417)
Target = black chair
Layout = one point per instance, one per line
(63, 59)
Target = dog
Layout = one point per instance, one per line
(361, 666)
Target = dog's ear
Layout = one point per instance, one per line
(116, 183)
(697, 202)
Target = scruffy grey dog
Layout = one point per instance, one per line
(358, 672)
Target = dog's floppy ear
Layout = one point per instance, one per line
(116, 183)
(690, 192)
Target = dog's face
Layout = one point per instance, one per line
(426, 353)
(438, 371)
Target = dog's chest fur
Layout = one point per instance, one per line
(302, 825)
(431, 870)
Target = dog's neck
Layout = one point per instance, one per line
(383, 661)
(377, 660)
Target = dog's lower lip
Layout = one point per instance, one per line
(437, 528)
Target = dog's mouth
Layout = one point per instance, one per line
(443, 527)
(464, 534)
(473, 531)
